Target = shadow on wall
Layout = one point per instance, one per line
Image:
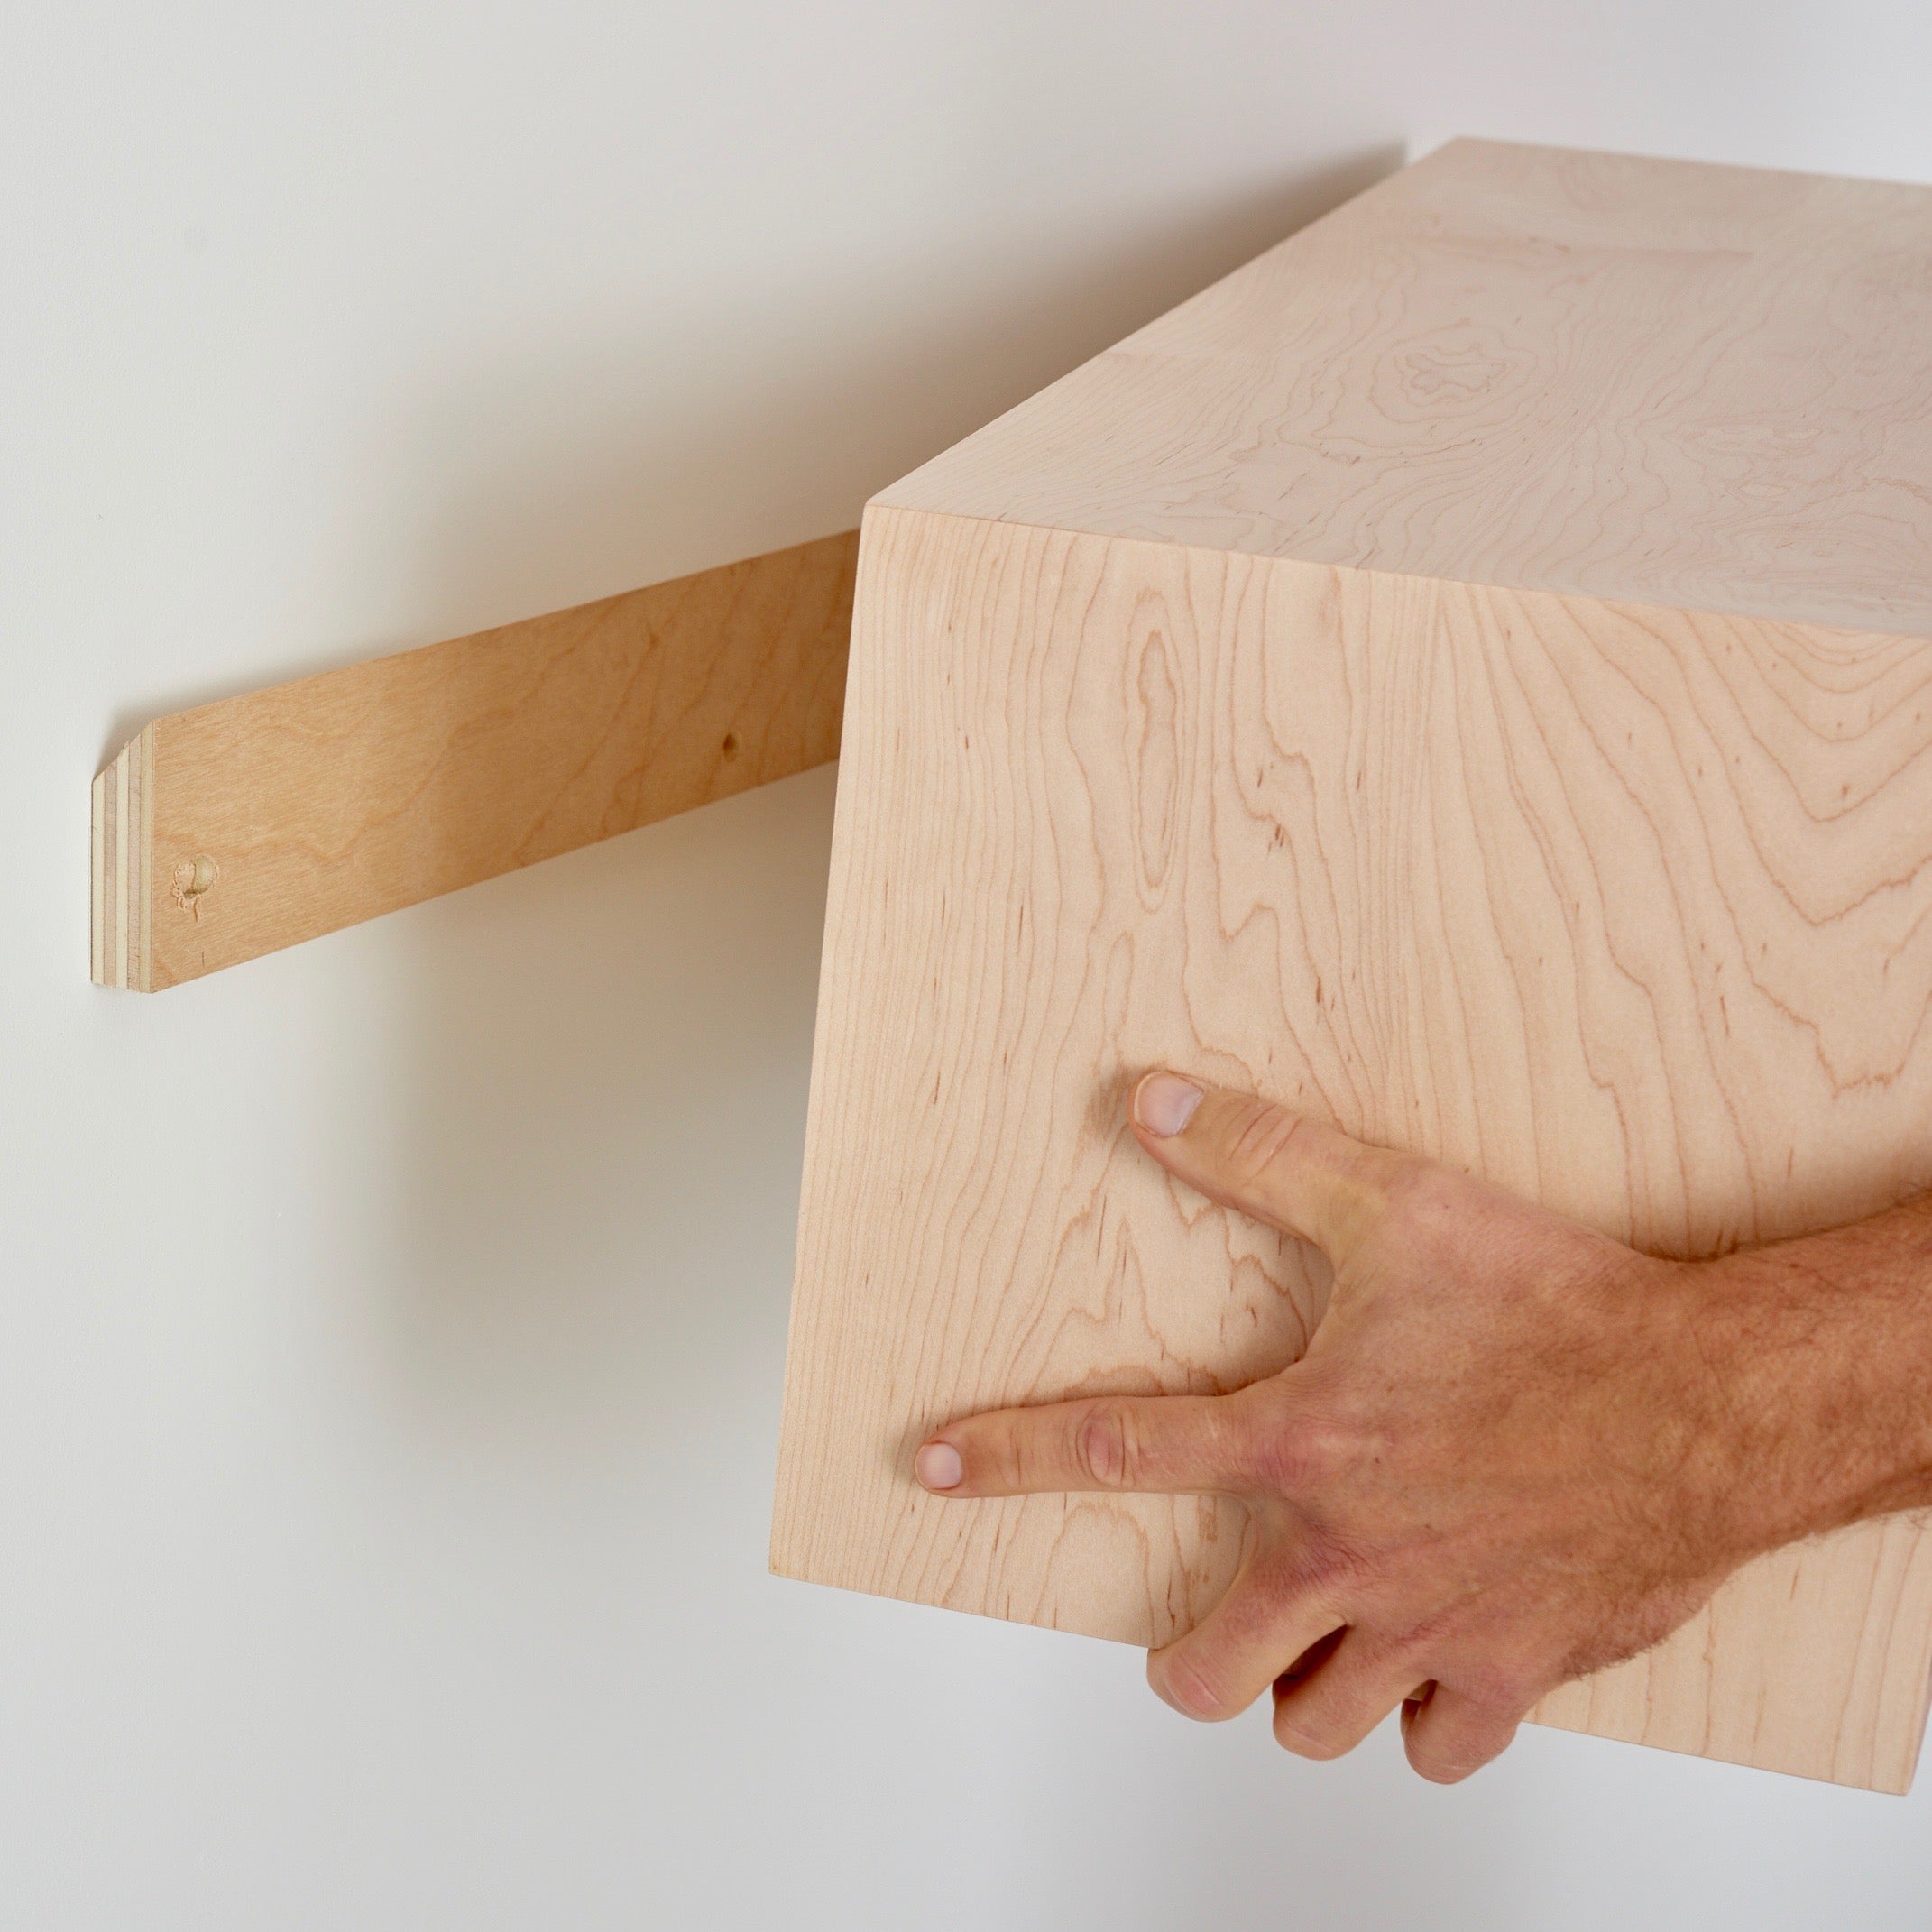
(775, 436)
(604, 1060)
(583, 470)
(601, 1067)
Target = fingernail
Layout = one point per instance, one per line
(1164, 1103)
(938, 1466)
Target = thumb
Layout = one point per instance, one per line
(1294, 1172)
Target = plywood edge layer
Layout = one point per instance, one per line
(235, 829)
(118, 950)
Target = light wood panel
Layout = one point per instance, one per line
(1650, 381)
(1623, 903)
(229, 831)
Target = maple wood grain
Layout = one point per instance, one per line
(1654, 382)
(1623, 902)
(228, 831)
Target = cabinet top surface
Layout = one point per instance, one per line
(1655, 382)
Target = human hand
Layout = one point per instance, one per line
(1506, 1459)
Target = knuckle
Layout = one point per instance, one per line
(1389, 1655)
(1327, 1568)
(1506, 1689)
(1005, 1454)
(1028, 1454)
(1413, 1181)
(1424, 1195)
(1299, 1450)
(1103, 1446)
(1255, 1138)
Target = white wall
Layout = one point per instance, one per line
(391, 1331)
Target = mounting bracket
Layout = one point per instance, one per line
(235, 829)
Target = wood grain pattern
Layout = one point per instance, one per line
(228, 831)
(1623, 903)
(1654, 381)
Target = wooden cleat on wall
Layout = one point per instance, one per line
(237, 828)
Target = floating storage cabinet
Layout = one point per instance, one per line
(1468, 676)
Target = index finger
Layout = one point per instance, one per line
(1165, 1445)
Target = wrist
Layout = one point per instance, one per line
(1813, 1357)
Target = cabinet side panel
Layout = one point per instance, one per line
(976, 1226)
(1626, 909)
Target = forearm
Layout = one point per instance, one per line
(1820, 1352)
